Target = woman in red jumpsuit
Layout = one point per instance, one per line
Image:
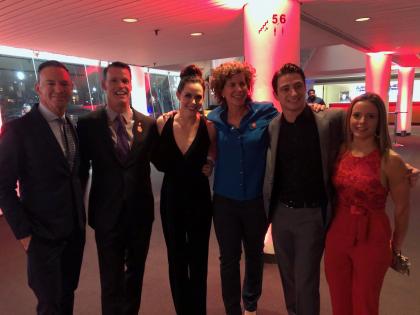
(360, 242)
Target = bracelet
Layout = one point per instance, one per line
(396, 251)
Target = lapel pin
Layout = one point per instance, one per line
(253, 125)
(139, 128)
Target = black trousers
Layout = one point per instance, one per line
(298, 238)
(122, 256)
(54, 270)
(240, 223)
(187, 232)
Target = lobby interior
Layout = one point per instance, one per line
(332, 47)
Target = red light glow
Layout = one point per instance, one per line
(92, 69)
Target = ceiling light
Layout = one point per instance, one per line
(380, 53)
(130, 20)
(20, 75)
(230, 4)
(197, 34)
(362, 19)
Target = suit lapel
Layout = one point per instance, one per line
(324, 139)
(44, 128)
(137, 131)
(137, 136)
(274, 141)
(104, 130)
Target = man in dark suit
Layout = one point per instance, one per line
(297, 189)
(40, 152)
(117, 141)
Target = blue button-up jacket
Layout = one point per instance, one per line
(241, 152)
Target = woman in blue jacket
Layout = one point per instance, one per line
(239, 217)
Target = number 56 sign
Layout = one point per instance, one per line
(276, 20)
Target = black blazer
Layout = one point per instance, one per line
(116, 184)
(51, 200)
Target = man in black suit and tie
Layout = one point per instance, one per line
(40, 152)
(117, 141)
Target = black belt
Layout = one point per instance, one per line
(301, 204)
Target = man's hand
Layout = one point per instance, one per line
(207, 168)
(168, 115)
(318, 107)
(25, 242)
(412, 174)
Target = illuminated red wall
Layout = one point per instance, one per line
(271, 39)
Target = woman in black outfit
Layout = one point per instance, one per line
(184, 149)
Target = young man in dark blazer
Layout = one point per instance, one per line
(40, 152)
(117, 143)
(297, 188)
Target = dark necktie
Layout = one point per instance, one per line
(121, 146)
(68, 141)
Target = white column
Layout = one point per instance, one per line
(138, 93)
(378, 74)
(271, 39)
(405, 99)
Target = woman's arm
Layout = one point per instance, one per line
(213, 140)
(398, 183)
(212, 153)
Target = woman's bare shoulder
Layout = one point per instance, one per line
(160, 122)
(394, 164)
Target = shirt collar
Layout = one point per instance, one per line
(47, 114)
(303, 117)
(224, 109)
(128, 115)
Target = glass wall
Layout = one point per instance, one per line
(17, 80)
(18, 77)
(93, 74)
(346, 91)
(161, 91)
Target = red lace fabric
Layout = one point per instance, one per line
(360, 207)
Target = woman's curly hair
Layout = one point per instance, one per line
(226, 71)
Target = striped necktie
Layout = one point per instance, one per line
(68, 141)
